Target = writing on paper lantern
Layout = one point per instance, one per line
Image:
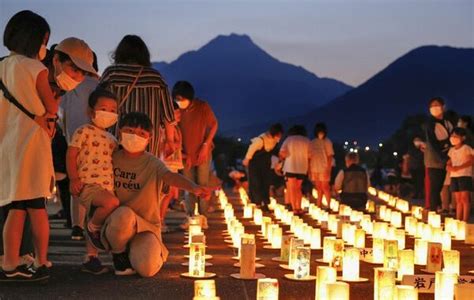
(267, 289)
(197, 259)
(384, 283)
(406, 260)
(302, 262)
(390, 260)
(204, 289)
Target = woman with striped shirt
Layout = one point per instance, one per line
(140, 88)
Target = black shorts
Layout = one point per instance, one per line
(295, 175)
(38, 203)
(461, 184)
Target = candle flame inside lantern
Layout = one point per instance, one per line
(337, 290)
(350, 265)
(197, 259)
(444, 285)
(384, 283)
(324, 275)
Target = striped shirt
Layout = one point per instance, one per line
(150, 95)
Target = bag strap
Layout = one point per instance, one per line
(130, 88)
(13, 101)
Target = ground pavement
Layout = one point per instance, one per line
(67, 282)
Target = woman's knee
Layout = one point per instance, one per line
(146, 254)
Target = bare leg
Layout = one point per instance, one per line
(459, 206)
(298, 194)
(12, 234)
(164, 205)
(326, 190)
(40, 230)
(105, 202)
(466, 205)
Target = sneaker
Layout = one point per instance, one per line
(94, 238)
(122, 264)
(94, 266)
(24, 273)
(77, 233)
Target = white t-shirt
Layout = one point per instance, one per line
(94, 161)
(297, 147)
(459, 157)
(320, 150)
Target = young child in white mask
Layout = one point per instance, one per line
(89, 166)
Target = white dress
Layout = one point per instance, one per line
(26, 161)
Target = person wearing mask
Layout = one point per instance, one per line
(259, 161)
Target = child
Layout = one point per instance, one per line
(25, 133)
(322, 153)
(89, 166)
(174, 162)
(353, 181)
(460, 167)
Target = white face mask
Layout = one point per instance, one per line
(454, 140)
(133, 143)
(42, 52)
(436, 111)
(183, 104)
(320, 135)
(104, 119)
(66, 82)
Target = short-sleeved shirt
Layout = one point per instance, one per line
(297, 148)
(94, 161)
(459, 157)
(138, 182)
(196, 120)
(320, 150)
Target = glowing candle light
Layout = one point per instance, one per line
(328, 248)
(396, 219)
(350, 265)
(405, 292)
(204, 289)
(451, 260)
(302, 262)
(276, 237)
(294, 245)
(444, 285)
(370, 206)
(307, 235)
(427, 232)
(450, 226)
(270, 231)
(446, 240)
(247, 257)
(419, 229)
(410, 225)
(461, 230)
(337, 290)
(332, 224)
(359, 240)
(381, 212)
(463, 291)
(380, 230)
(324, 275)
(248, 212)
(193, 230)
(267, 289)
(390, 260)
(400, 237)
(384, 283)
(378, 250)
(315, 238)
(338, 254)
(421, 251)
(345, 231)
(405, 263)
(434, 219)
(266, 221)
(285, 247)
(197, 260)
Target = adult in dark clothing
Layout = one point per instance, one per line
(437, 131)
(353, 182)
(259, 161)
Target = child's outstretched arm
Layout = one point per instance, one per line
(181, 182)
(46, 94)
(75, 184)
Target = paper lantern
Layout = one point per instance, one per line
(388, 215)
(338, 254)
(435, 257)
(390, 260)
(276, 237)
(378, 250)
(359, 238)
(405, 292)
(267, 289)
(197, 259)
(436, 235)
(307, 234)
(400, 237)
(384, 283)
(294, 245)
(380, 230)
(469, 234)
(463, 291)
(406, 260)
(193, 230)
(302, 262)
(396, 219)
(450, 226)
(444, 285)
(350, 265)
(451, 260)
(337, 290)
(285, 247)
(266, 221)
(248, 212)
(345, 231)
(324, 275)
(273, 203)
(270, 230)
(204, 289)
(427, 232)
(434, 219)
(421, 251)
(461, 230)
(419, 229)
(410, 225)
(257, 216)
(228, 211)
(315, 238)
(381, 211)
(332, 224)
(370, 206)
(247, 258)
(446, 240)
(328, 248)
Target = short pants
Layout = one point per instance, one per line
(461, 184)
(89, 193)
(295, 175)
(38, 203)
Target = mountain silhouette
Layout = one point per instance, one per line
(244, 84)
(375, 109)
